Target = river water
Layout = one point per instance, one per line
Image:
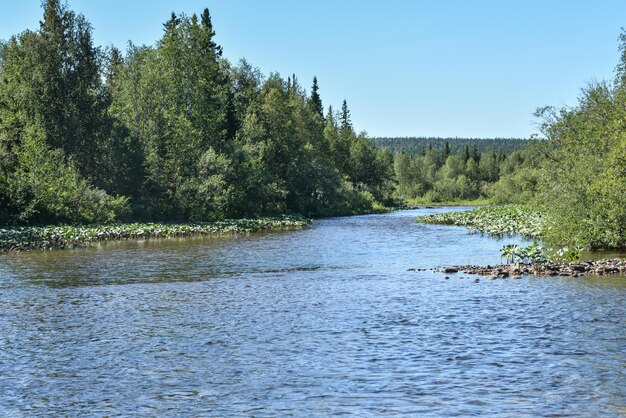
(318, 322)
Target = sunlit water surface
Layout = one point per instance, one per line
(322, 321)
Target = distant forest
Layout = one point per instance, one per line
(419, 145)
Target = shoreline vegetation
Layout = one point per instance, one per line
(135, 139)
(498, 221)
(170, 131)
(14, 238)
(511, 220)
(28, 238)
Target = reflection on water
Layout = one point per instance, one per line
(321, 321)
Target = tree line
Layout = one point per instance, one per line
(574, 172)
(418, 145)
(174, 131)
(439, 175)
(168, 132)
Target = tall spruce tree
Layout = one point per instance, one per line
(315, 100)
(346, 122)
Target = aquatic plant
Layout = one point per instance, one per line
(569, 254)
(494, 220)
(532, 254)
(508, 253)
(70, 236)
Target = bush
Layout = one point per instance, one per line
(46, 188)
(585, 192)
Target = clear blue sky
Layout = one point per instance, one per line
(407, 68)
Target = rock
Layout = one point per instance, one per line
(599, 267)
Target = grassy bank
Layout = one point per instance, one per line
(494, 220)
(68, 236)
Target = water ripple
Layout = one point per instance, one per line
(324, 321)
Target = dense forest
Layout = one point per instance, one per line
(176, 132)
(168, 132)
(438, 175)
(419, 145)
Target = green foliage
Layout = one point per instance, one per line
(419, 145)
(532, 254)
(584, 174)
(494, 220)
(575, 174)
(68, 236)
(438, 176)
(315, 101)
(174, 130)
(569, 254)
(47, 188)
(536, 254)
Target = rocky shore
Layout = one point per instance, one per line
(614, 266)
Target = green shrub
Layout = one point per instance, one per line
(46, 188)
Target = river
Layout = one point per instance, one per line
(316, 322)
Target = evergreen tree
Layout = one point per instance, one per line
(346, 123)
(207, 25)
(466, 154)
(315, 100)
(475, 154)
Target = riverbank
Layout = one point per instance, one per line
(69, 236)
(614, 266)
(494, 220)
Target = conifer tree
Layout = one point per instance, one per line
(207, 25)
(346, 123)
(466, 154)
(475, 153)
(315, 100)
